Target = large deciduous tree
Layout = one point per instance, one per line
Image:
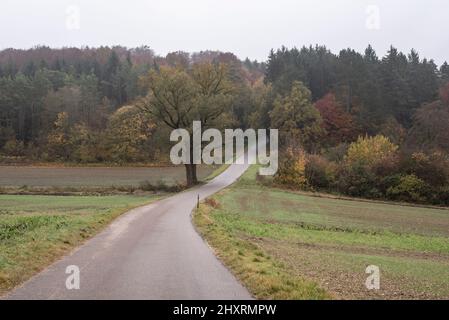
(338, 123)
(431, 125)
(178, 97)
(297, 118)
(128, 130)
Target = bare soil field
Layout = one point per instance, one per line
(30, 176)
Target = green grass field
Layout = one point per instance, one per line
(287, 245)
(37, 230)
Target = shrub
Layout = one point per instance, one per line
(410, 188)
(58, 140)
(370, 150)
(433, 168)
(357, 180)
(364, 168)
(441, 196)
(129, 129)
(160, 186)
(14, 148)
(84, 144)
(320, 172)
(338, 153)
(292, 169)
(387, 182)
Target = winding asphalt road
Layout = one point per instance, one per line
(152, 252)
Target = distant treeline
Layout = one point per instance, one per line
(351, 122)
(79, 91)
(374, 88)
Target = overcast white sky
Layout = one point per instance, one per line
(249, 28)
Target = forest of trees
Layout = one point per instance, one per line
(352, 123)
(360, 125)
(79, 105)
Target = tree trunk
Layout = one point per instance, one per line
(191, 168)
(191, 175)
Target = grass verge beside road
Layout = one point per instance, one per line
(37, 230)
(285, 245)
